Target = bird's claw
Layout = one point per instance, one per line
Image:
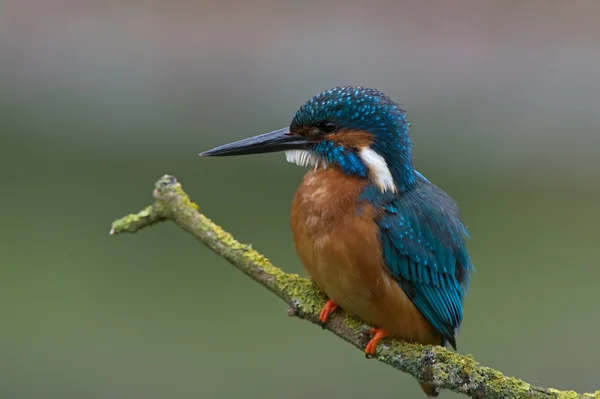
(377, 334)
(327, 310)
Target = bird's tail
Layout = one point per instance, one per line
(430, 390)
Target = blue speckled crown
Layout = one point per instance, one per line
(360, 108)
(355, 106)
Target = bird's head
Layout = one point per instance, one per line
(359, 130)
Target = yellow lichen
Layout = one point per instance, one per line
(448, 369)
(303, 291)
(354, 323)
(126, 223)
(564, 394)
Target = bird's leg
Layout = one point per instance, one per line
(377, 335)
(327, 311)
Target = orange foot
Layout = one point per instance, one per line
(378, 334)
(327, 310)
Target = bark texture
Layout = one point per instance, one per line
(432, 364)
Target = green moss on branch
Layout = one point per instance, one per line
(433, 364)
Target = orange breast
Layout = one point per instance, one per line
(340, 250)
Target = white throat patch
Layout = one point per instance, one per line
(378, 169)
(304, 158)
(380, 173)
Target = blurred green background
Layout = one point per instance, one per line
(99, 99)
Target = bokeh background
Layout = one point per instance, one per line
(99, 99)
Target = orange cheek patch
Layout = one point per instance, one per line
(352, 138)
(302, 131)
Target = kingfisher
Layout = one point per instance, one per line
(380, 240)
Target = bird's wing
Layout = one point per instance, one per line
(423, 241)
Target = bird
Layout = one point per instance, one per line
(377, 237)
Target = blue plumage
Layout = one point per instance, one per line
(365, 134)
(360, 108)
(346, 159)
(364, 204)
(421, 234)
(423, 242)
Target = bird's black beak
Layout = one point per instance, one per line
(278, 140)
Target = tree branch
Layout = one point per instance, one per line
(433, 364)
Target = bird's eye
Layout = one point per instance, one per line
(328, 127)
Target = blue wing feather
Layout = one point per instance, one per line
(424, 246)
